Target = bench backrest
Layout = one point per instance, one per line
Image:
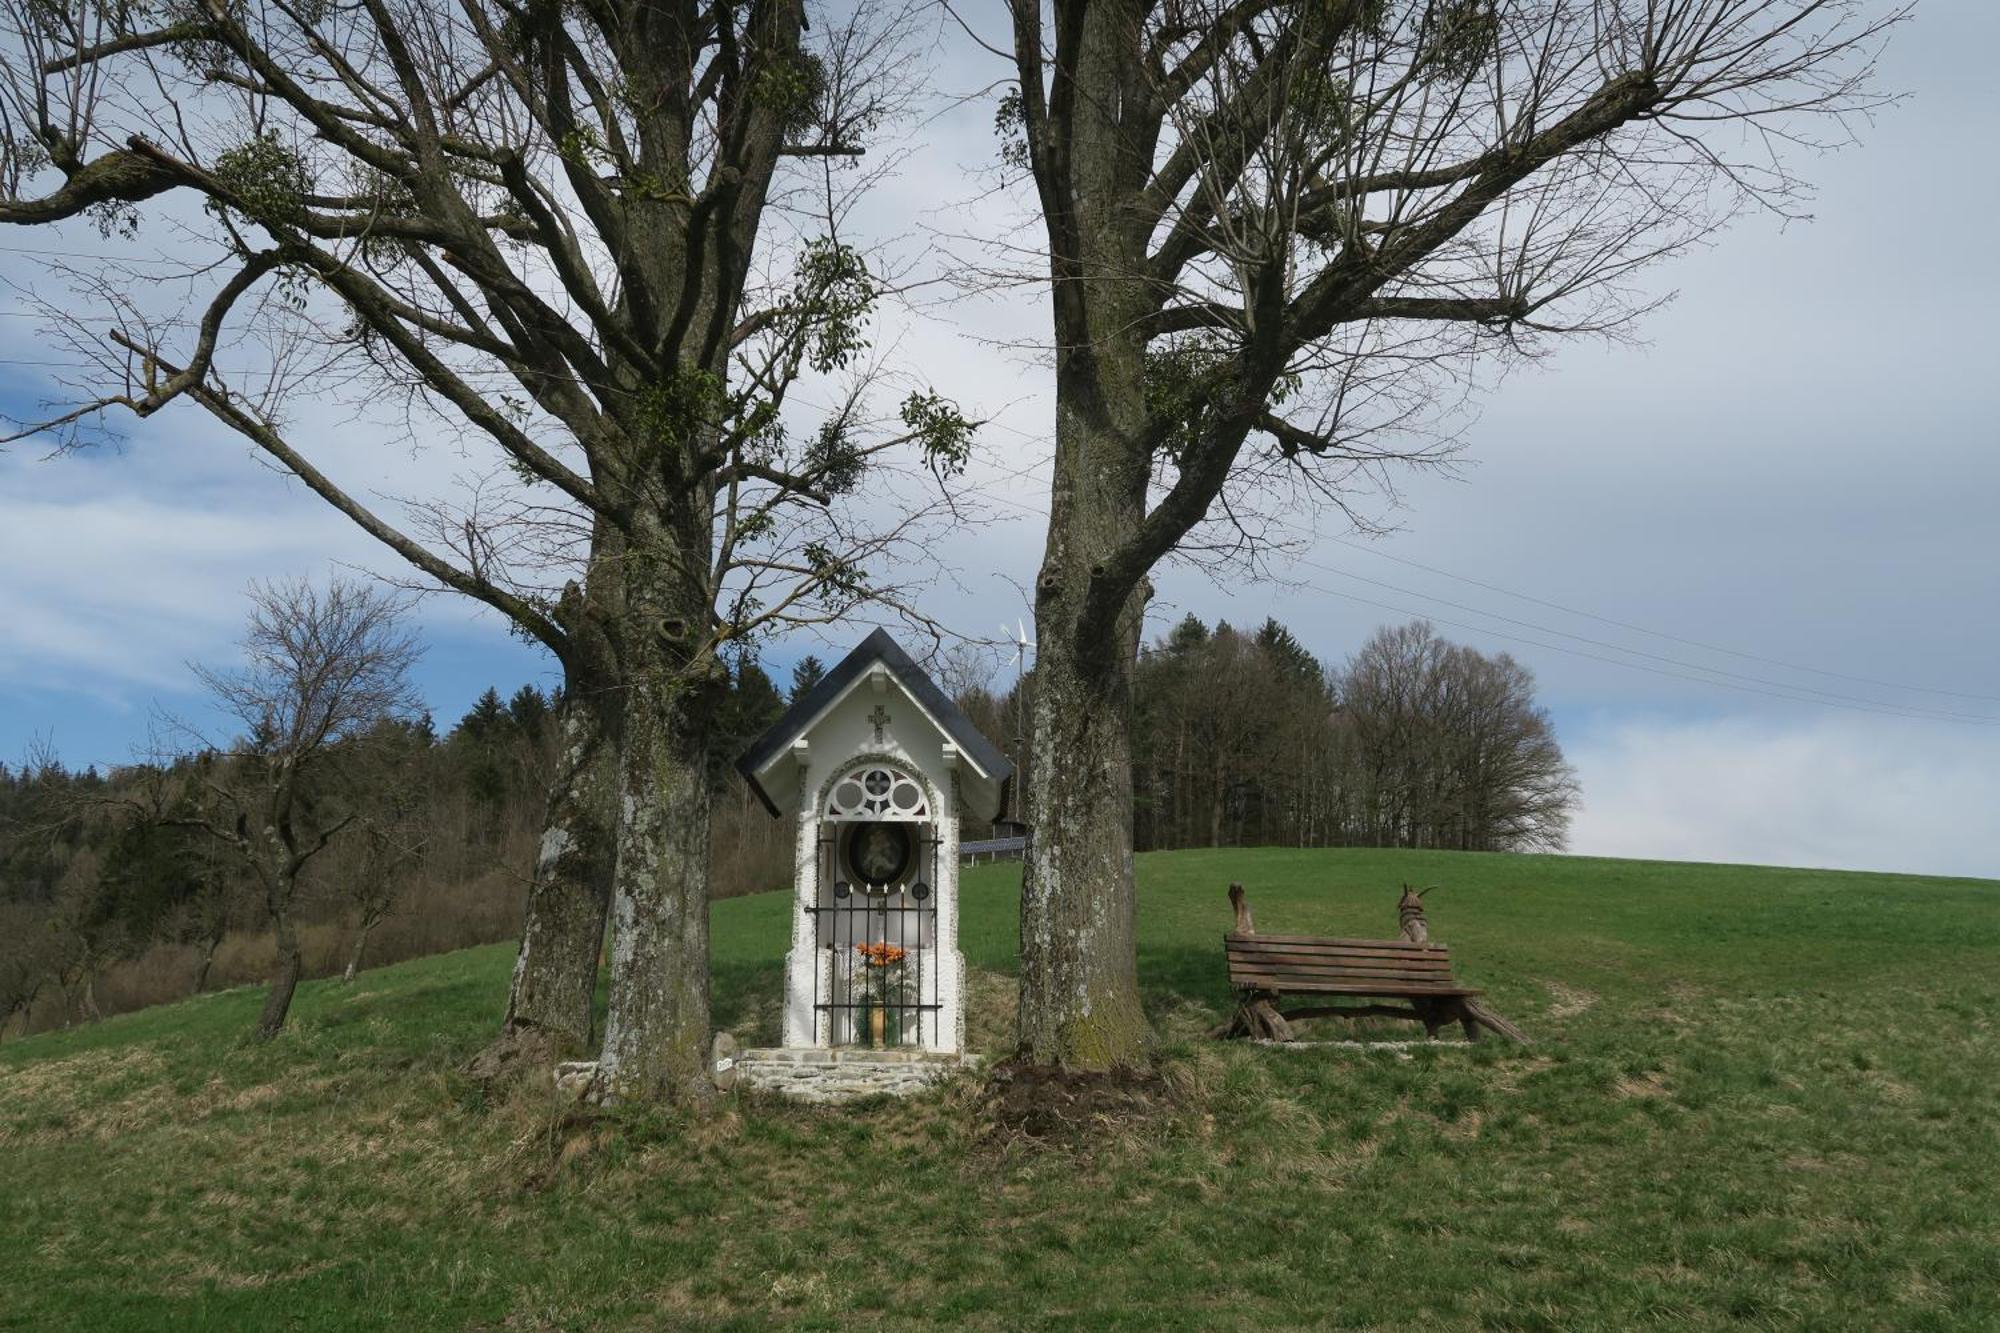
(1310, 962)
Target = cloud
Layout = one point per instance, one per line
(1852, 795)
(113, 580)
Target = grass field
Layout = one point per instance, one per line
(1758, 1098)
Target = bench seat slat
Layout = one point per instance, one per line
(1335, 965)
(1325, 964)
(1327, 942)
(1291, 977)
(1390, 990)
(1422, 957)
(1361, 963)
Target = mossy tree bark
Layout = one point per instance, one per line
(555, 973)
(1079, 975)
(656, 1034)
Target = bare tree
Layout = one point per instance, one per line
(535, 228)
(391, 840)
(1281, 237)
(203, 920)
(1446, 747)
(85, 934)
(24, 963)
(323, 670)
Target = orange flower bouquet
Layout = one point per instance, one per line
(884, 963)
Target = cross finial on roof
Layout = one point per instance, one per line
(880, 717)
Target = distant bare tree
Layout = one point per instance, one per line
(85, 934)
(1283, 238)
(324, 669)
(203, 920)
(393, 836)
(1449, 749)
(24, 964)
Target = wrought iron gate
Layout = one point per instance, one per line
(879, 948)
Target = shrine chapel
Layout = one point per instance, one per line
(876, 765)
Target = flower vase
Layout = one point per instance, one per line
(877, 1020)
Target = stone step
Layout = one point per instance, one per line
(840, 1074)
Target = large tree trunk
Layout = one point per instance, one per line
(555, 973)
(1079, 966)
(285, 979)
(656, 1035)
(1079, 975)
(1079, 970)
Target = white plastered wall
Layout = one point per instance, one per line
(835, 743)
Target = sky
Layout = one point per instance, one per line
(1791, 478)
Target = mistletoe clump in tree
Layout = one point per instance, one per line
(532, 232)
(1281, 235)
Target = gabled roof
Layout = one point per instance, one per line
(878, 647)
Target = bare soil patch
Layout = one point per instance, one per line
(1067, 1106)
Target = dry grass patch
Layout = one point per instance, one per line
(1652, 1083)
(1567, 1001)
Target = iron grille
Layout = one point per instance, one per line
(845, 986)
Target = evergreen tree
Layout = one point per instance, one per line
(487, 719)
(809, 672)
(529, 711)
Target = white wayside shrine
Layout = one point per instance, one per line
(876, 765)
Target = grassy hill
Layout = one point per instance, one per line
(1759, 1097)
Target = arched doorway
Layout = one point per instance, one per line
(876, 909)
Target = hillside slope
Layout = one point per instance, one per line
(1757, 1095)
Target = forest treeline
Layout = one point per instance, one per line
(110, 899)
(1242, 738)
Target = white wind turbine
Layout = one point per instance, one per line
(1018, 636)
(1023, 645)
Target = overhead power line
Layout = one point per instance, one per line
(1662, 634)
(1818, 695)
(82, 254)
(1672, 668)
(1886, 710)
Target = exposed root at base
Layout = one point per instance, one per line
(1051, 1104)
(522, 1052)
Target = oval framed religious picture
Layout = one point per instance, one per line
(878, 854)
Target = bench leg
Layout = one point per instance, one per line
(1467, 1021)
(1258, 1019)
(1270, 1023)
(1486, 1018)
(1432, 1019)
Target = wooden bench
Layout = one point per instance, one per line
(1264, 969)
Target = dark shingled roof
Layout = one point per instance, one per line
(877, 647)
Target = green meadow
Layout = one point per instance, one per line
(1757, 1098)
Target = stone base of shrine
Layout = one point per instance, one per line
(841, 1074)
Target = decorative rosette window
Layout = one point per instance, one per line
(877, 909)
(876, 791)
